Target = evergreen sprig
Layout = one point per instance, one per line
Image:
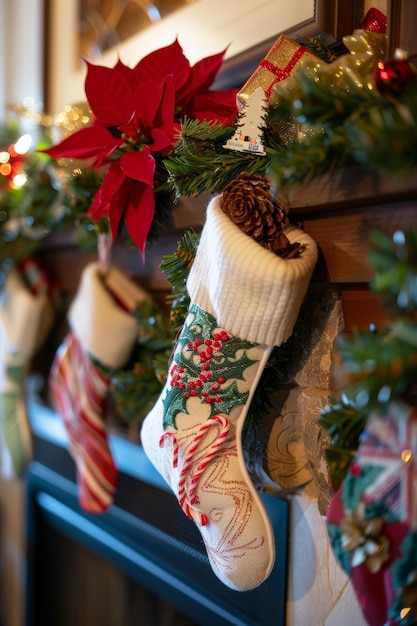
(379, 366)
(343, 124)
(344, 423)
(28, 213)
(136, 388)
(319, 46)
(395, 262)
(176, 267)
(200, 162)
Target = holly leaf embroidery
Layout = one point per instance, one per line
(207, 365)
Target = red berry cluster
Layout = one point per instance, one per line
(355, 469)
(204, 385)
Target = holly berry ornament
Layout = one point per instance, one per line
(392, 76)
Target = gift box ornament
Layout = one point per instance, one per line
(282, 61)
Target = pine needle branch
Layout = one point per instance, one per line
(342, 124)
(379, 366)
(200, 162)
(176, 267)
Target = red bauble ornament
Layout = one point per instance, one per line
(374, 22)
(392, 76)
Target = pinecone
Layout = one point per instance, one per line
(248, 202)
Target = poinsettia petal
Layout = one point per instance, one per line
(112, 182)
(127, 73)
(118, 205)
(162, 141)
(154, 103)
(139, 165)
(157, 103)
(139, 214)
(214, 105)
(147, 100)
(202, 75)
(91, 142)
(163, 62)
(109, 95)
(166, 111)
(98, 209)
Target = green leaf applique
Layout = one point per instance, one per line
(207, 365)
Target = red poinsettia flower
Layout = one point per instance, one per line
(136, 113)
(193, 96)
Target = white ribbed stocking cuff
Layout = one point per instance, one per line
(105, 329)
(252, 292)
(27, 318)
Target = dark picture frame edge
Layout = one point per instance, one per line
(333, 19)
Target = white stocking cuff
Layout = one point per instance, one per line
(104, 328)
(26, 317)
(252, 292)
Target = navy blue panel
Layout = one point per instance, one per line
(144, 534)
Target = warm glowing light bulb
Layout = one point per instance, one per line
(19, 180)
(406, 456)
(4, 157)
(23, 144)
(5, 169)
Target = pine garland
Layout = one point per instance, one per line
(28, 213)
(176, 267)
(319, 46)
(380, 366)
(315, 121)
(201, 163)
(136, 388)
(344, 125)
(30, 208)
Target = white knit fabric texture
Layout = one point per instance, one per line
(105, 329)
(27, 318)
(252, 292)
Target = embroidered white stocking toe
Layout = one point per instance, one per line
(245, 300)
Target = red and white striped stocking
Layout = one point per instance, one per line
(102, 335)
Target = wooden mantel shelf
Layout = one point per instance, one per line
(351, 187)
(342, 208)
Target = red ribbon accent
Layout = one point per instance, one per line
(374, 22)
(281, 74)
